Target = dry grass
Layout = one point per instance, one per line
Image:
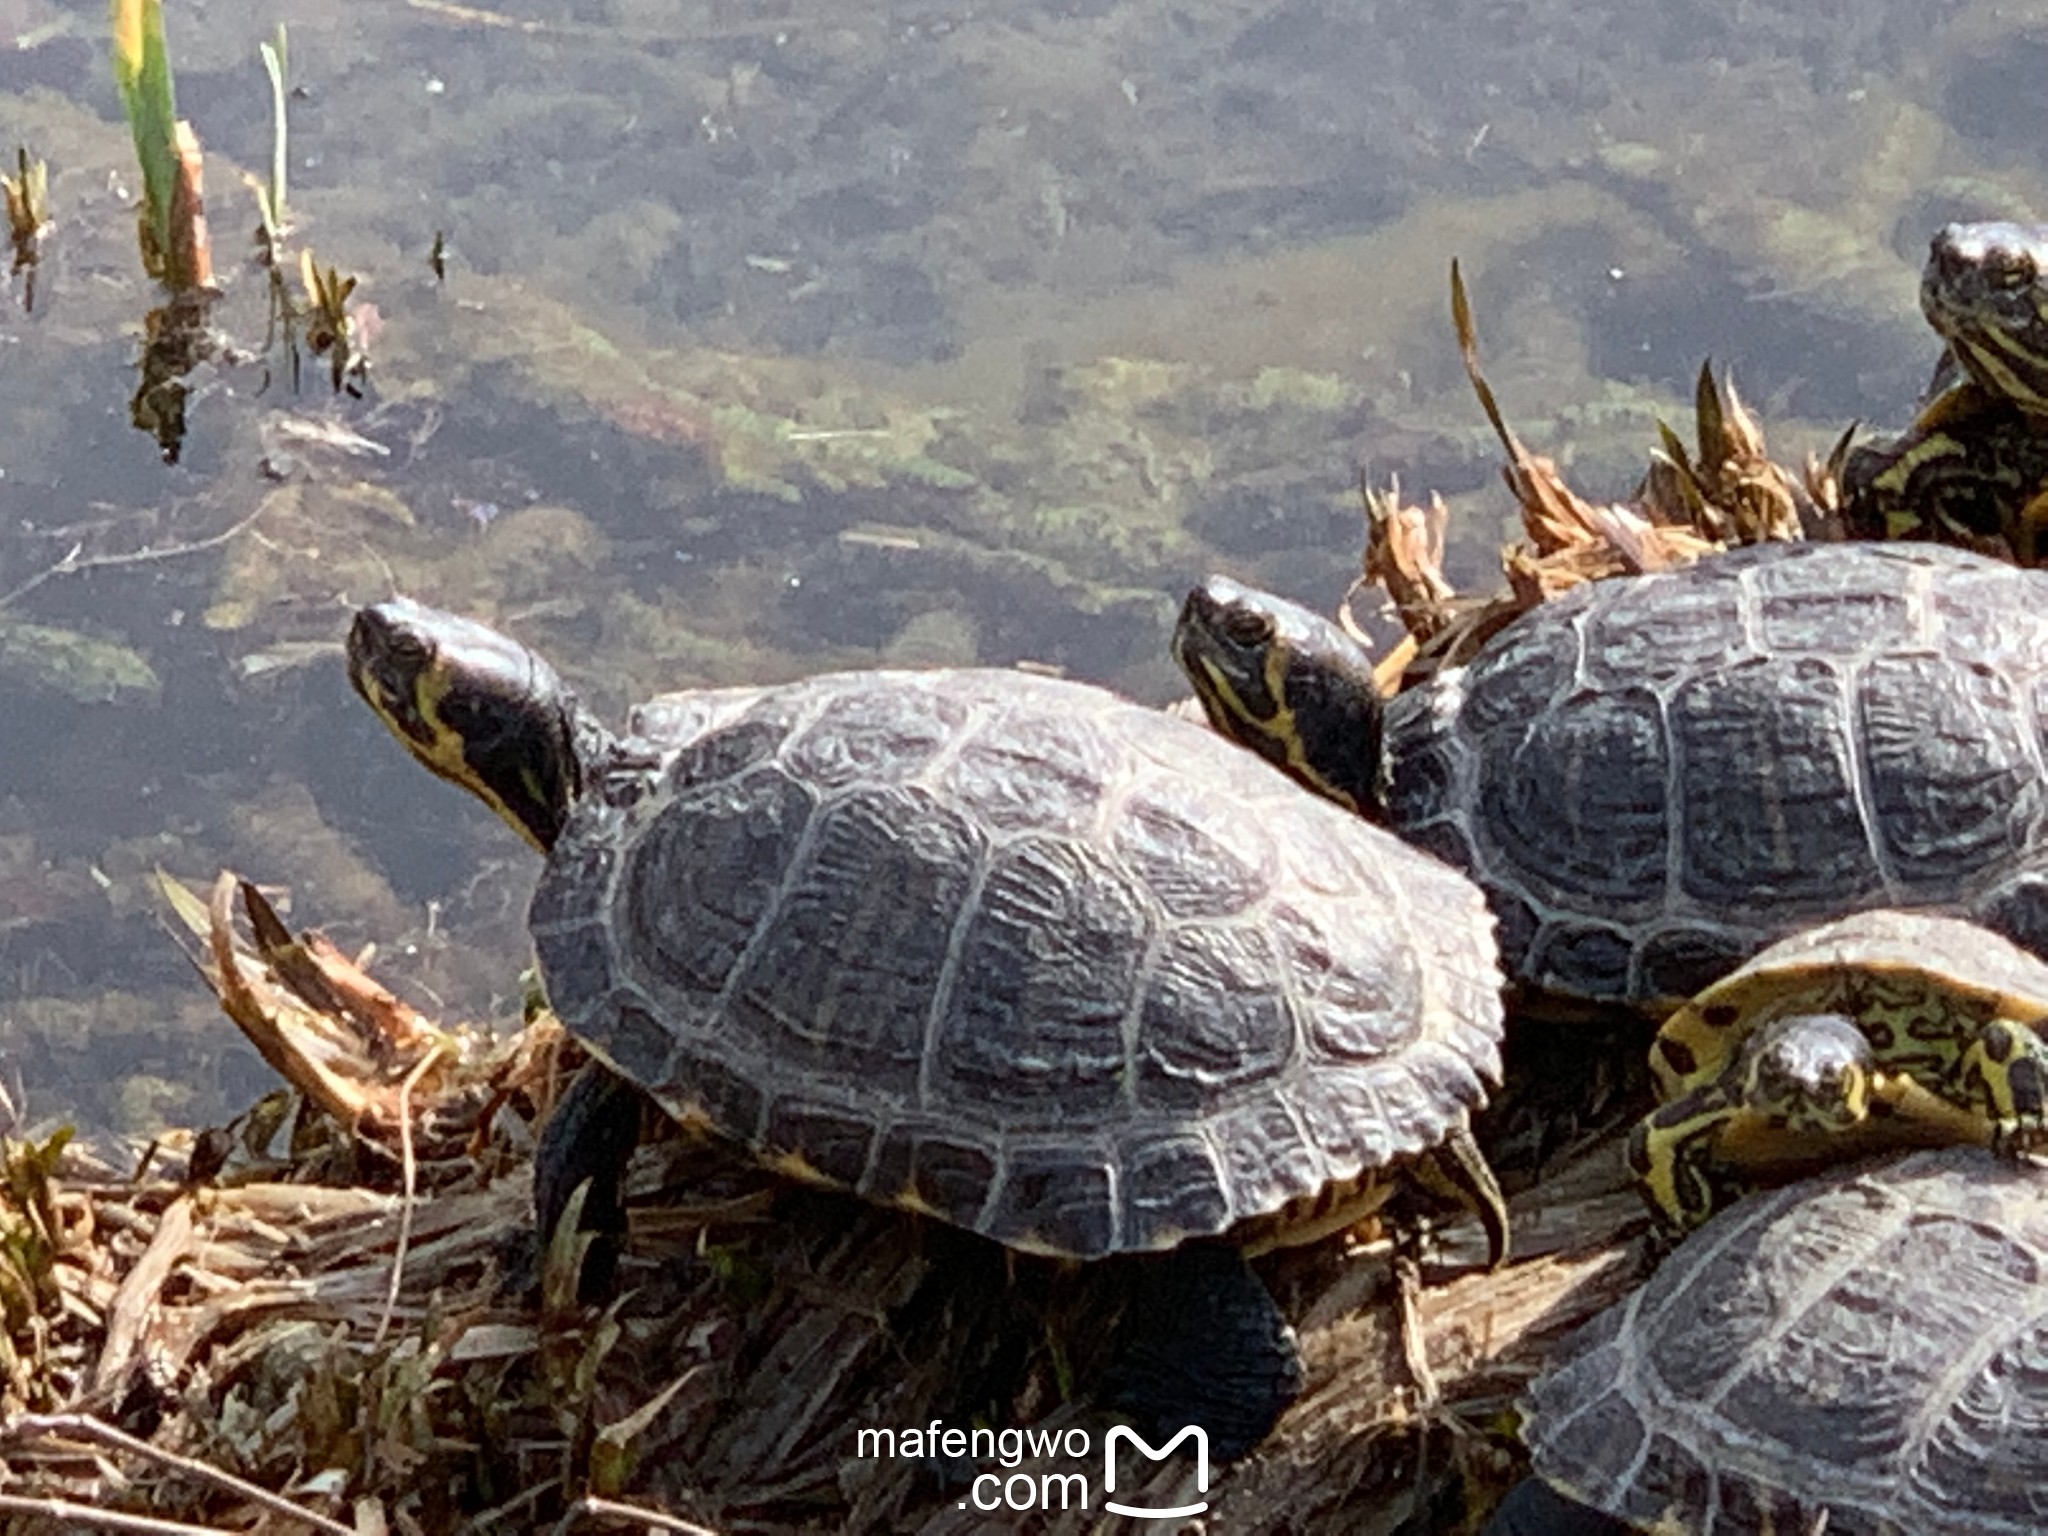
(263, 1331)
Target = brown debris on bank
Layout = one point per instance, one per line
(1727, 491)
(332, 1307)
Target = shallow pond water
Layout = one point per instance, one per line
(784, 336)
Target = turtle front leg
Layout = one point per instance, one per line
(2005, 1070)
(589, 1139)
(1671, 1152)
(1203, 1343)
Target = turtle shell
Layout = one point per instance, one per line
(1920, 986)
(1074, 974)
(1871, 1348)
(1654, 778)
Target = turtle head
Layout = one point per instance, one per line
(1290, 685)
(1809, 1072)
(1985, 291)
(477, 708)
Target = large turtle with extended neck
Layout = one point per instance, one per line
(1654, 777)
(1007, 951)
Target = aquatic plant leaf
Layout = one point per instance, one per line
(272, 198)
(142, 70)
(42, 659)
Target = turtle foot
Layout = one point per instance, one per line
(589, 1138)
(1203, 1343)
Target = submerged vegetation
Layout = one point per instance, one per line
(180, 335)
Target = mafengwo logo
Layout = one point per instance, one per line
(1022, 1492)
(1125, 1432)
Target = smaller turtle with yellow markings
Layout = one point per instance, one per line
(1879, 1031)
(1972, 468)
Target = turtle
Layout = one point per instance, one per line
(1005, 950)
(1982, 290)
(1972, 468)
(1860, 1352)
(1654, 777)
(1881, 1029)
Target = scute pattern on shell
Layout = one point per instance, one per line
(1653, 778)
(1873, 1344)
(1077, 975)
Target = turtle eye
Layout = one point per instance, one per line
(1247, 626)
(2009, 270)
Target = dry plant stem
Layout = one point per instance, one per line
(334, 1096)
(78, 1517)
(611, 1509)
(1404, 553)
(1388, 671)
(71, 565)
(129, 1315)
(1347, 619)
(1554, 517)
(1414, 1341)
(476, 17)
(191, 254)
(410, 1167)
(83, 1426)
(1533, 481)
(496, 1518)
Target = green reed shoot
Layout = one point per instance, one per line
(142, 69)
